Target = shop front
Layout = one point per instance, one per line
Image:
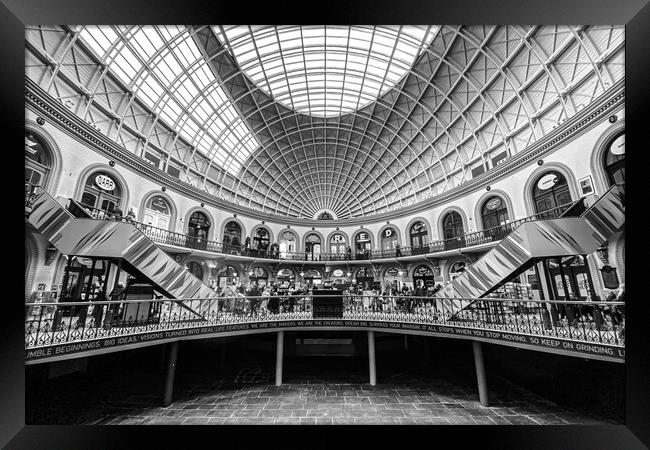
(258, 276)
(423, 277)
(365, 278)
(312, 277)
(362, 245)
(227, 276)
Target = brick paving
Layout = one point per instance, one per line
(249, 397)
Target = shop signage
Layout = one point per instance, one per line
(388, 232)
(362, 237)
(104, 182)
(285, 273)
(338, 238)
(423, 271)
(547, 181)
(573, 348)
(493, 204)
(313, 238)
(618, 146)
(261, 232)
(416, 227)
(259, 272)
(338, 273)
(392, 272)
(160, 205)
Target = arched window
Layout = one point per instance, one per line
(195, 269)
(389, 239)
(101, 194)
(457, 269)
(312, 247)
(197, 229)
(227, 276)
(37, 163)
(615, 160)
(551, 194)
(287, 244)
(452, 225)
(232, 236)
(157, 212)
(338, 244)
(325, 215)
(261, 239)
(494, 212)
(423, 277)
(418, 234)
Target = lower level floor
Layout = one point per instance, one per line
(419, 381)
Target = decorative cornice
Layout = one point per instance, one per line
(583, 121)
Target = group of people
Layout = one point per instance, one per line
(390, 298)
(251, 299)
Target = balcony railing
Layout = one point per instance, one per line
(166, 237)
(68, 322)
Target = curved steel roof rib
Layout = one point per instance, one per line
(296, 120)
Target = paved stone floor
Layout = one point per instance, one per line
(251, 398)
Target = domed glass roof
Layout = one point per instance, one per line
(325, 71)
(294, 120)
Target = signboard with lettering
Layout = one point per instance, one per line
(592, 350)
(388, 232)
(362, 237)
(338, 238)
(104, 182)
(337, 273)
(547, 181)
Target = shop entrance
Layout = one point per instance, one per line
(571, 278)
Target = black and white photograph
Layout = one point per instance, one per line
(325, 225)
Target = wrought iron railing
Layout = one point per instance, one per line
(69, 322)
(486, 236)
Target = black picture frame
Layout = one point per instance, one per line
(635, 14)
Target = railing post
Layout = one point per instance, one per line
(480, 373)
(371, 358)
(171, 372)
(278, 358)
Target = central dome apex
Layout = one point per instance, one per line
(325, 70)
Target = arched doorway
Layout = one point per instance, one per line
(232, 237)
(101, 194)
(423, 277)
(259, 276)
(227, 276)
(261, 240)
(551, 195)
(195, 269)
(365, 277)
(312, 247)
(198, 228)
(457, 269)
(313, 277)
(338, 247)
(157, 212)
(287, 244)
(389, 242)
(286, 277)
(614, 160)
(362, 245)
(37, 163)
(452, 230)
(494, 212)
(419, 237)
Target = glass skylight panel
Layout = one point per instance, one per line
(175, 75)
(382, 53)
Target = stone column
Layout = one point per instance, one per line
(172, 355)
(371, 358)
(278, 358)
(480, 372)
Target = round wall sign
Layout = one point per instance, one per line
(338, 273)
(104, 182)
(392, 272)
(618, 146)
(494, 203)
(547, 181)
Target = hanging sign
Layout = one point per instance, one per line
(494, 203)
(392, 272)
(104, 182)
(547, 181)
